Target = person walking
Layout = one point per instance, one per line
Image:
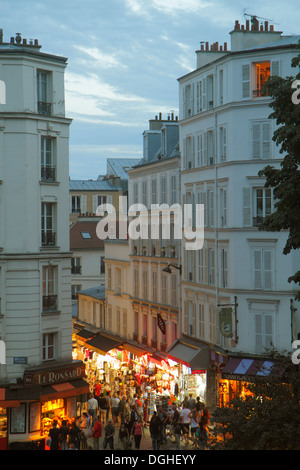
(74, 435)
(64, 433)
(92, 406)
(96, 433)
(155, 431)
(109, 432)
(115, 408)
(138, 432)
(103, 405)
(177, 429)
(123, 437)
(85, 430)
(194, 423)
(54, 436)
(185, 413)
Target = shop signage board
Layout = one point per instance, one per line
(161, 324)
(225, 321)
(49, 377)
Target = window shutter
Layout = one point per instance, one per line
(184, 155)
(246, 81)
(266, 140)
(246, 207)
(204, 93)
(257, 269)
(256, 140)
(192, 98)
(275, 68)
(95, 204)
(183, 102)
(268, 330)
(205, 148)
(224, 144)
(83, 204)
(258, 332)
(267, 269)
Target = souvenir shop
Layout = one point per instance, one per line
(27, 410)
(237, 374)
(127, 369)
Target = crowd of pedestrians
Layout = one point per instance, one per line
(114, 421)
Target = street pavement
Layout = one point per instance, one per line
(146, 442)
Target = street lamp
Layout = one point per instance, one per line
(168, 268)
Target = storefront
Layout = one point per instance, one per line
(237, 374)
(199, 369)
(128, 369)
(27, 409)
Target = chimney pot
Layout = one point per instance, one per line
(271, 27)
(207, 46)
(266, 25)
(225, 46)
(247, 25)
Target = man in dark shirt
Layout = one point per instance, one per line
(54, 433)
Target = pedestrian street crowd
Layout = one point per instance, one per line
(117, 423)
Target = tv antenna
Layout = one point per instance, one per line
(255, 18)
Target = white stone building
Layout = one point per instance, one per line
(35, 320)
(225, 139)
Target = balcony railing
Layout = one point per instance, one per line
(48, 238)
(49, 303)
(44, 108)
(48, 173)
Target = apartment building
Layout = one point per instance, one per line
(156, 180)
(235, 293)
(35, 259)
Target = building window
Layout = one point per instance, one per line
(76, 265)
(263, 331)
(189, 152)
(173, 190)
(48, 224)
(144, 193)
(48, 169)
(76, 206)
(263, 204)
(145, 285)
(49, 346)
(102, 265)
(136, 283)
(262, 72)
(224, 268)
(201, 321)
(262, 260)
(125, 323)
(164, 289)
(211, 265)
(49, 288)
(44, 92)
(154, 286)
(75, 288)
(118, 288)
(153, 192)
(261, 140)
(255, 75)
(223, 207)
(109, 278)
(188, 102)
(163, 190)
(223, 144)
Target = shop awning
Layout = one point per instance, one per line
(197, 358)
(102, 343)
(245, 369)
(85, 334)
(64, 390)
(136, 350)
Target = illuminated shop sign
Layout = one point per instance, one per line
(50, 377)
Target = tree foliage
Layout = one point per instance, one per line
(267, 420)
(285, 180)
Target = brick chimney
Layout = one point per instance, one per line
(252, 35)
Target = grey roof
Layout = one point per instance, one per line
(91, 185)
(97, 292)
(118, 166)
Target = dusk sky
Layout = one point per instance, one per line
(124, 59)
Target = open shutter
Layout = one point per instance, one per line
(246, 81)
(258, 333)
(204, 93)
(246, 207)
(95, 204)
(275, 68)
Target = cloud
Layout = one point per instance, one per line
(102, 59)
(168, 7)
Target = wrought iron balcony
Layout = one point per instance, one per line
(49, 303)
(48, 238)
(48, 173)
(44, 108)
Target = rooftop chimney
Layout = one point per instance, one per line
(254, 36)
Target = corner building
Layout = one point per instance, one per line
(38, 379)
(225, 140)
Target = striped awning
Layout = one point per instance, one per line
(246, 369)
